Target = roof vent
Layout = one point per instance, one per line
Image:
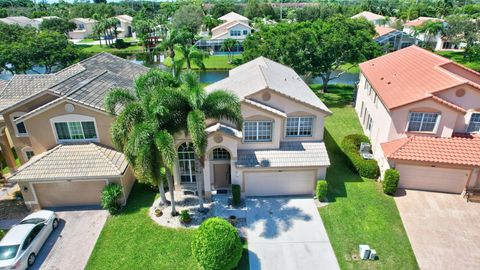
(389, 82)
(381, 78)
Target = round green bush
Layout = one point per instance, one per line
(390, 181)
(110, 195)
(321, 190)
(217, 245)
(2, 234)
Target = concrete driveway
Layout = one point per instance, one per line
(71, 244)
(443, 229)
(287, 233)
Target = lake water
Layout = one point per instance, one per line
(208, 76)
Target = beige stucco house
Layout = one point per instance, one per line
(84, 28)
(124, 27)
(280, 150)
(60, 131)
(422, 114)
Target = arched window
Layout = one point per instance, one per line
(220, 154)
(186, 162)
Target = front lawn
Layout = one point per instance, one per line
(218, 62)
(93, 49)
(132, 240)
(359, 212)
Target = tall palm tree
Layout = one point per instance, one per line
(228, 46)
(192, 55)
(143, 126)
(169, 43)
(200, 105)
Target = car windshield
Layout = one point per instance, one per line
(33, 221)
(8, 252)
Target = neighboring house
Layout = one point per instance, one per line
(61, 132)
(281, 149)
(19, 20)
(422, 113)
(392, 39)
(84, 28)
(376, 19)
(438, 40)
(124, 28)
(235, 26)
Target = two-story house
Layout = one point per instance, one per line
(85, 27)
(124, 27)
(280, 150)
(61, 132)
(422, 114)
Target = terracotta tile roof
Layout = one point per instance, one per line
(449, 104)
(73, 161)
(382, 30)
(453, 151)
(222, 29)
(412, 74)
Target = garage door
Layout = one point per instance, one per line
(69, 193)
(279, 183)
(432, 178)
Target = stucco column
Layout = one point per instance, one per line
(7, 151)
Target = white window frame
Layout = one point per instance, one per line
(257, 140)
(435, 127)
(12, 118)
(191, 167)
(25, 150)
(470, 122)
(74, 118)
(298, 126)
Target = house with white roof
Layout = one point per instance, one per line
(376, 19)
(19, 20)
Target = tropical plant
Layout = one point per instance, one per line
(429, 29)
(143, 126)
(58, 24)
(217, 245)
(210, 22)
(200, 105)
(228, 46)
(110, 195)
(390, 181)
(172, 40)
(192, 55)
(321, 190)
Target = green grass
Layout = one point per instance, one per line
(359, 212)
(98, 49)
(6, 170)
(351, 68)
(218, 62)
(458, 57)
(131, 240)
(130, 39)
(87, 40)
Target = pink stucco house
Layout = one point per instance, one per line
(422, 114)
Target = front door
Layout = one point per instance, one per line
(221, 174)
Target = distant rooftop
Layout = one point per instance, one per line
(233, 16)
(369, 16)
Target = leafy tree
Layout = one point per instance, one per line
(200, 106)
(222, 7)
(52, 49)
(3, 13)
(143, 29)
(228, 46)
(259, 9)
(188, 17)
(210, 22)
(461, 28)
(315, 48)
(17, 57)
(58, 24)
(142, 129)
(317, 12)
(429, 29)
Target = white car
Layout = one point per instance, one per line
(20, 246)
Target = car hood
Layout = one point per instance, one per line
(7, 263)
(45, 214)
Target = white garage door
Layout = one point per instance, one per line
(69, 193)
(279, 183)
(432, 178)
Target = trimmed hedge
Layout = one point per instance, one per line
(390, 181)
(236, 195)
(321, 190)
(351, 147)
(110, 195)
(217, 245)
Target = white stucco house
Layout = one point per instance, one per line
(280, 150)
(374, 18)
(124, 27)
(422, 114)
(84, 28)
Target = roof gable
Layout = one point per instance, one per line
(233, 16)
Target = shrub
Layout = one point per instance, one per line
(236, 196)
(110, 195)
(2, 234)
(321, 190)
(120, 44)
(390, 181)
(185, 216)
(217, 245)
(351, 147)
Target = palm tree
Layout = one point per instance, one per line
(210, 22)
(192, 54)
(228, 45)
(143, 126)
(169, 43)
(200, 105)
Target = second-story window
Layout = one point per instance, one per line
(422, 122)
(235, 33)
(20, 128)
(474, 125)
(67, 131)
(245, 32)
(299, 126)
(257, 131)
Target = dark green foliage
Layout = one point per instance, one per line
(217, 245)
(390, 181)
(321, 190)
(120, 44)
(236, 196)
(185, 216)
(59, 25)
(2, 234)
(110, 195)
(351, 146)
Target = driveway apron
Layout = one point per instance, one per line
(287, 233)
